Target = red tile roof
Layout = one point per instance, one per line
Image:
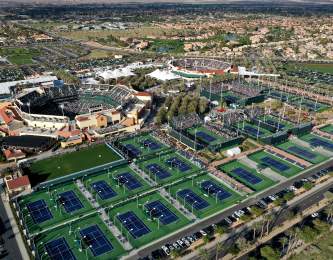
(18, 182)
(144, 94)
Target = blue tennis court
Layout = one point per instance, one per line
(275, 123)
(103, 190)
(70, 201)
(246, 175)
(129, 181)
(133, 224)
(302, 152)
(205, 137)
(213, 189)
(158, 210)
(320, 142)
(94, 238)
(252, 130)
(158, 171)
(151, 144)
(175, 162)
(39, 211)
(58, 249)
(193, 199)
(132, 150)
(275, 163)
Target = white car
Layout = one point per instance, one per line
(203, 232)
(314, 215)
(166, 250)
(272, 198)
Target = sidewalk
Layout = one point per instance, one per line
(16, 231)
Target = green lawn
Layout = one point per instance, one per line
(137, 207)
(19, 56)
(122, 191)
(59, 214)
(65, 164)
(316, 159)
(137, 142)
(327, 129)
(214, 205)
(194, 130)
(72, 237)
(263, 184)
(175, 172)
(293, 169)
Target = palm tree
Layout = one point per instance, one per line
(175, 254)
(329, 212)
(283, 240)
(255, 226)
(204, 254)
(219, 247)
(268, 218)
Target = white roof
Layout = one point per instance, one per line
(4, 86)
(163, 75)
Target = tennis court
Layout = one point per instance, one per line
(61, 165)
(130, 181)
(141, 145)
(218, 198)
(164, 168)
(277, 164)
(93, 238)
(59, 249)
(86, 238)
(70, 201)
(158, 171)
(175, 162)
(205, 135)
(327, 129)
(103, 190)
(213, 189)
(43, 209)
(141, 226)
(108, 188)
(157, 209)
(39, 211)
(317, 141)
(276, 122)
(302, 152)
(252, 130)
(246, 175)
(192, 199)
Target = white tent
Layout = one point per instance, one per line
(163, 75)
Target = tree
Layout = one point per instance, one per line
(283, 241)
(269, 253)
(234, 250)
(308, 185)
(289, 195)
(257, 211)
(219, 247)
(175, 254)
(205, 239)
(329, 212)
(203, 253)
(321, 226)
(307, 234)
(242, 243)
(255, 227)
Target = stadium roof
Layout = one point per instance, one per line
(5, 86)
(27, 141)
(163, 75)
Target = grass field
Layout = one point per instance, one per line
(264, 184)
(214, 205)
(122, 191)
(308, 137)
(72, 237)
(317, 159)
(138, 140)
(175, 172)
(323, 68)
(194, 130)
(327, 129)
(65, 164)
(293, 170)
(19, 56)
(138, 208)
(58, 213)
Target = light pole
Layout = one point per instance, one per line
(158, 221)
(217, 193)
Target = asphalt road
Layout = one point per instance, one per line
(7, 234)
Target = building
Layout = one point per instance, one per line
(13, 155)
(17, 185)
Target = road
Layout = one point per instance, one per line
(8, 236)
